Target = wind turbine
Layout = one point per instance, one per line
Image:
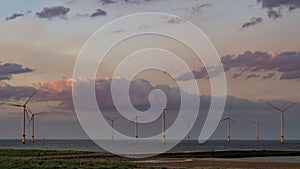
(281, 118)
(163, 116)
(188, 128)
(256, 129)
(256, 122)
(229, 119)
(136, 123)
(31, 121)
(112, 126)
(25, 113)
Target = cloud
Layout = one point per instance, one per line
(107, 2)
(9, 69)
(175, 20)
(274, 14)
(285, 63)
(16, 15)
(236, 75)
(14, 92)
(52, 12)
(269, 4)
(252, 76)
(198, 8)
(253, 21)
(198, 74)
(131, 2)
(60, 91)
(99, 12)
(268, 76)
(274, 7)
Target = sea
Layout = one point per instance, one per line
(183, 146)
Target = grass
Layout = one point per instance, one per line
(18, 159)
(37, 153)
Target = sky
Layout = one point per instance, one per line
(257, 42)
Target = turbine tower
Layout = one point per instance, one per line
(281, 118)
(188, 128)
(31, 121)
(136, 126)
(25, 113)
(112, 126)
(257, 122)
(163, 117)
(256, 129)
(229, 119)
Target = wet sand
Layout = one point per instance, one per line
(220, 163)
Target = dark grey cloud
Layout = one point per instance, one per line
(14, 16)
(285, 63)
(198, 8)
(274, 14)
(131, 2)
(52, 12)
(17, 15)
(198, 74)
(107, 2)
(252, 76)
(274, 7)
(269, 4)
(236, 75)
(253, 21)
(9, 69)
(99, 12)
(137, 2)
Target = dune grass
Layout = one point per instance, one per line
(20, 159)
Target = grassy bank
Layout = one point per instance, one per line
(46, 159)
(15, 159)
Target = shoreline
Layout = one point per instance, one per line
(218, 159)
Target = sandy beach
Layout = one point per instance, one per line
(219, 163)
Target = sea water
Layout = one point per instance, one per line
(183, 146)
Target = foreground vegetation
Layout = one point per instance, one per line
(22, 159)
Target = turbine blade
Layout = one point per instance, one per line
(116, 118)
(11, 104)
(41, 113)
(27, 115)
(274, 107)
(29, 98)
(30, 121)
(29, 111)
(131, 122)
(224, 119)
(233, 122)
(290, 106)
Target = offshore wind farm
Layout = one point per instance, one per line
(150, 84)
